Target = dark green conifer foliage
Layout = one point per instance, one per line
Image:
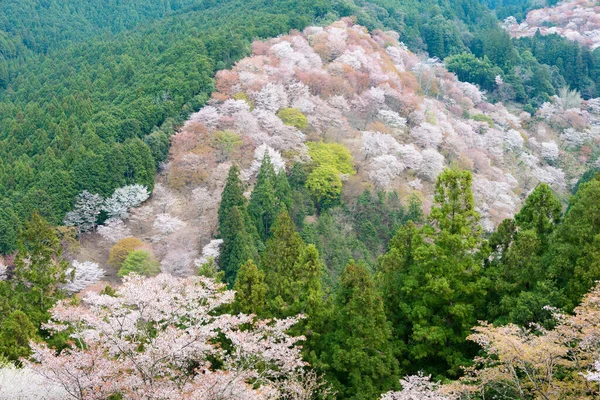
(541, 212)
(9, 223)
(33, 288)
(233, 194)
(280, 263)
(251, 290)
(264, 205)
(432, 277)
(357, 353)
(238, 246)
(575, 245)
(520, 285)
(16, 330)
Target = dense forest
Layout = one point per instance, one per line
(190, 210)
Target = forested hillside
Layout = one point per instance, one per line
(296, 200)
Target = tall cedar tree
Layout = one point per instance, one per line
(250, 290)
(520, 286)
(280, 263)
(575, 245)
(357, 356)
(264, 205)
(33, 289)
(238, 246)
(233, 194)
(430, 279)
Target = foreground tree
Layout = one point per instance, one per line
(431, 281)
(357, 352)
(160, 338)
(535, 363)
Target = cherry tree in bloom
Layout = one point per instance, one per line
(549, 151)
(513, 140)
(166, 224)
(124, 199)
(25, 384)
(210, 251)
(85, 214)
(113, 230)
(383, 170)
(209, 116)
(392, 118)
(427, 135)
(272, 97)
(143, 342)
(432, 165)
(417, 387)
(377, 144)
(410, 156)
(231, 106)
(84, 274)
(3, 271)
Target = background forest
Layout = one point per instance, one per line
(333, 216)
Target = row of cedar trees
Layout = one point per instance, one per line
(437, 279)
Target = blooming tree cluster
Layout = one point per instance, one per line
(160, 338)
(26, 384)
(577, 20)
(401, 116)
(88, 207)
(417, 387)
(83, 274)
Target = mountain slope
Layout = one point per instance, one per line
(402, 117)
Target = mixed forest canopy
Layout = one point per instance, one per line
(296, 199)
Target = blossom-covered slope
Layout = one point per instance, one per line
(403, 117)
(577, 20)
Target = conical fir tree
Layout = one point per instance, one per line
(280, 263)
(264, 206)
(250, 290)
(238, 246)
(438, 271)
(233, 194)
(358, 356)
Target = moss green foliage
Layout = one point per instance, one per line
(483, 118)
(330, 161)
(226, 142)
(293, 117)
(141, 263)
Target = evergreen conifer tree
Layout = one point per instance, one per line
(357, 354)
(250, 290)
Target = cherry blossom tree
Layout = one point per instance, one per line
(26, 384)
(160, 338)
(272, 98)
(113, 230)
(550, 151)
(417, 387)
(377, 144)
(85, 213)
(210, 252)
(124, 199)
(83, 274)
(166, 224)
(432, 165)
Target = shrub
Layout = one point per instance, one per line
(120, 251)
(140, 262)
(293, 117)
